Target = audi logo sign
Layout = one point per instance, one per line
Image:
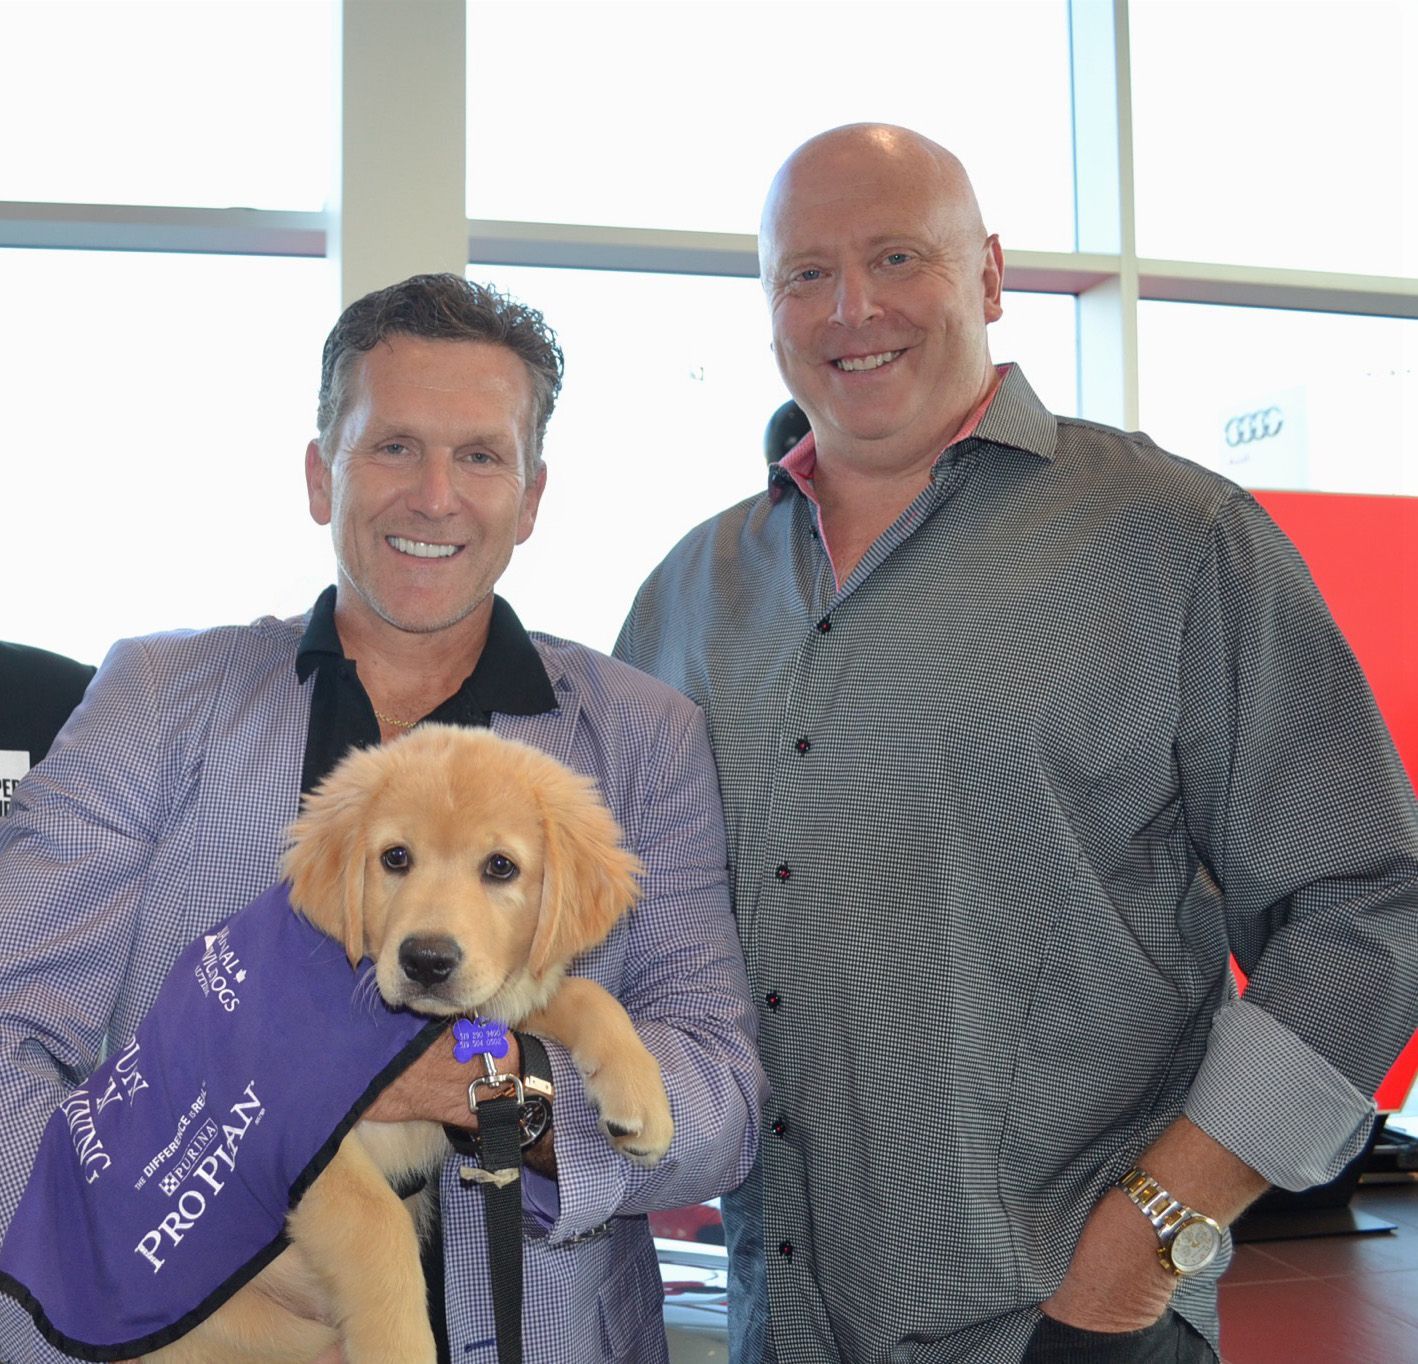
(1250, 427)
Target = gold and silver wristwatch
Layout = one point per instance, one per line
(1189, 1239)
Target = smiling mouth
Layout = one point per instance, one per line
(853, 364)
(421, 549)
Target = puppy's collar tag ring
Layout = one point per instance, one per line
(472, 1036)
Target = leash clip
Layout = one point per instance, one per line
(497, 1083)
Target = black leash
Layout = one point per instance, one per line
(510, 1117)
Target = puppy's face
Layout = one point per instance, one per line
(452, 894)
(470, 869)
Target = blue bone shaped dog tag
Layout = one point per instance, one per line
(471, 1037)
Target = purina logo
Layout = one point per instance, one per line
(212, 1170)
(168, 1151)
(221, 970)
(196, 1149)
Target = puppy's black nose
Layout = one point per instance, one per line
(429, 961)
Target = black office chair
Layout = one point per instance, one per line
(786, 427)
(38, 689)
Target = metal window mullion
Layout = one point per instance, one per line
(585, 247)
(1094, 273)
(1263, 287)
(400, 187)
(140, 227)
(1103, 208)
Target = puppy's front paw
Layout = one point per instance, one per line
(634, 1111)
(643, 1138)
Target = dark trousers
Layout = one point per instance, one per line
(1168, 1341)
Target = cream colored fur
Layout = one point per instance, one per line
(455, 800)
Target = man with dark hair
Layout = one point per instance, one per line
(1022, 725)
(163, 811)
(440, 308)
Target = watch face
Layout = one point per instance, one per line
(1194, 1246)
(533, 1119)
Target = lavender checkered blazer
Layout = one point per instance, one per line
(160, 811)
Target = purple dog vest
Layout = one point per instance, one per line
(162, 1183)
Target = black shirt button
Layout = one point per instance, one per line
(803, 745)
(779, 1127)
(785, 1249)
(784, 872)
(812, 530)
(773, 999)
(824, 625)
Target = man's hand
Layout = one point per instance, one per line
(435, 1087)
(1115, 1281)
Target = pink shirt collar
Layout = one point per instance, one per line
(800, 463)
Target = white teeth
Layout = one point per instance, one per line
(420, 549)
(854, 363)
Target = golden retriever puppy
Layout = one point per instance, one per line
(471, 870)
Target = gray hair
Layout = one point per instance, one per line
(444, 307)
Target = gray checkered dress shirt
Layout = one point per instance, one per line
(160, 811)
(1077, 726)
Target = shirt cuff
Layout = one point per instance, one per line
(1276, 1103)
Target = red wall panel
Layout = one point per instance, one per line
(1363, 554)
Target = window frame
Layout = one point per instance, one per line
(395, 213)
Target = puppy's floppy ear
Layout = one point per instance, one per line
(588, 879)
(325, 860)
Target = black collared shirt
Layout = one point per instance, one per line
(509, 678)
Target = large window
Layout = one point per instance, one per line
(1277, 134)
(216, 103)
(156, 410)
(646, 114)
(618, 191)
(158, 397)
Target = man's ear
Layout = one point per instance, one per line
(317, 484)
(993, 278)
(588, 879)
(325, 860)
(531, 500)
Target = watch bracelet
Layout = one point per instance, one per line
(1146, 1193)
(1167, 1215)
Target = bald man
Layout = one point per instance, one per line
(1022, 726)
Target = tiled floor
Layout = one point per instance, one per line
(1328, 1299)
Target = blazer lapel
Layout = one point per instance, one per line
(552, 731)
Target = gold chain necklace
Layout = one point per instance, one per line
(390, 720)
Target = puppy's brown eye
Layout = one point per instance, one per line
(396, 859)
(500, 868)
